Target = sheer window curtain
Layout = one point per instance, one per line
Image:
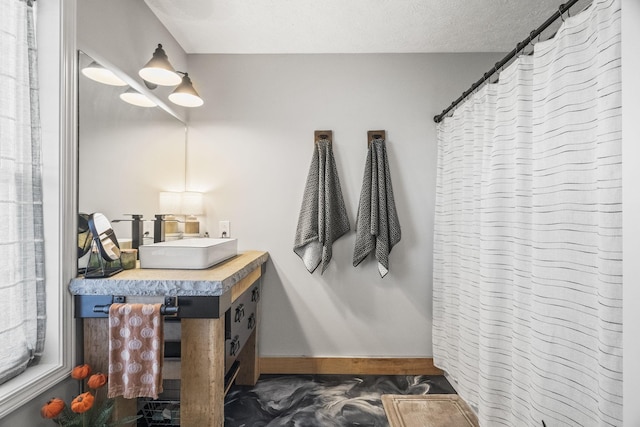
(22, 315)
(528, 234)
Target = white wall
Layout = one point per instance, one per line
(250, 147)
(631, 203)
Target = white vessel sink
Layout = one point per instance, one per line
(187, 254)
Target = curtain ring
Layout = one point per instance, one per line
(531, 38)
(561, 12)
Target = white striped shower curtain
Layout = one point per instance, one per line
(527, 296)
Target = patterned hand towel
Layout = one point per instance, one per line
(377, 225)
(323, 216)
(136, 350)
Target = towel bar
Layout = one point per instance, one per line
(166, 310)
(191, 307)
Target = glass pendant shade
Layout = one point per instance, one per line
(159, 70)
(185, 95)
(134, 97)
(100, 74)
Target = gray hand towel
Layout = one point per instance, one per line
(323, 216)
(377, 225)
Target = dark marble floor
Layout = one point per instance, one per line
(322, 400)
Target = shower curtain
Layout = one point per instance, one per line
(527, 297)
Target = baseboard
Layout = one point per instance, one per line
(348, 365)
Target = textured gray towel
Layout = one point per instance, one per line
(323, 216)
(377, 225)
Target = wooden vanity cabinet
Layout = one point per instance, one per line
(218, 339)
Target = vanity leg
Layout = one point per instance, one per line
(96, 355)
(249, 361)
(202, 373)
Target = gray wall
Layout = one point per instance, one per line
(250, 147)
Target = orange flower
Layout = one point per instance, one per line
(82, 403)
(81, 372)
(97, 380)
(52, 408)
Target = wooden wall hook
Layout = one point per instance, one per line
(323, 134)
(375, 134)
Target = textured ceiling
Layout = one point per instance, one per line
(350, 26)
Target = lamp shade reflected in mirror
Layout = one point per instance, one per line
(133, 97)
(192, 203)
(100, 74)
(170, 203)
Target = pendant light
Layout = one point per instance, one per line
(100, 74)
(159, 70)
(185, 95)
(134, 97)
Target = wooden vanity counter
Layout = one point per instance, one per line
(202, 297)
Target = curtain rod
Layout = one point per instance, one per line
(519, 47)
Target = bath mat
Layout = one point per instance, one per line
(428, 410)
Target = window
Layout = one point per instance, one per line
(58, 148)
(22, 319)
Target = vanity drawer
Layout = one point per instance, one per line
(240, 321)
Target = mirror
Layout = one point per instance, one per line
(127, 154)
(104, 237)
(104, 258)
(84, 235)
